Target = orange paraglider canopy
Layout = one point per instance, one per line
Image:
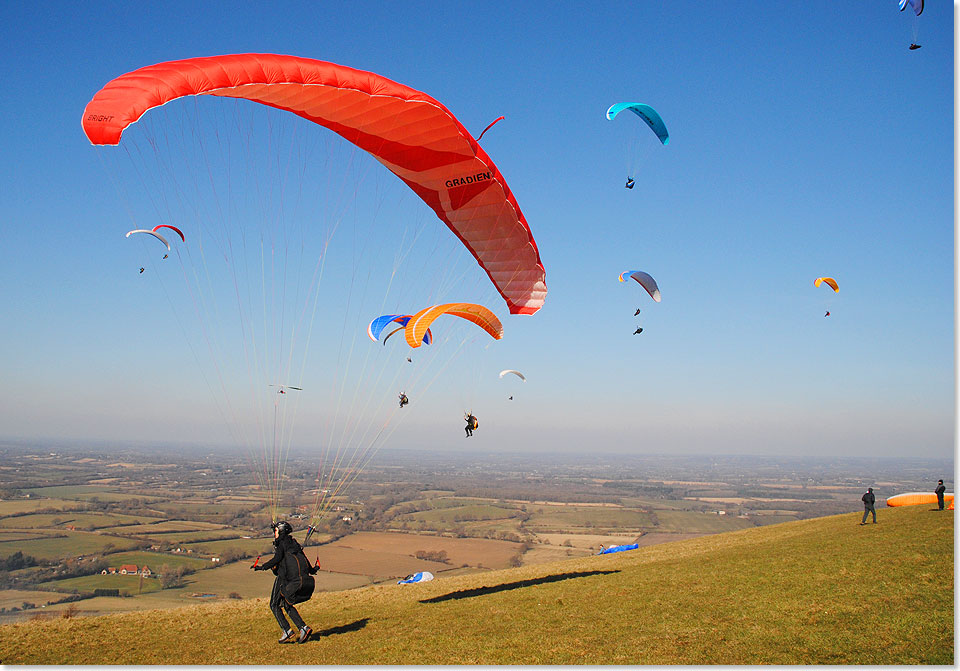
(919, 499)
(479, 315)
(829, 281)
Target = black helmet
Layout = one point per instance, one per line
(283, 527)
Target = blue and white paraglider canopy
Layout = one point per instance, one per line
(618, 548)
(422, 576)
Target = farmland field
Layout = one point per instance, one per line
(90, 492)
(169, 525)
(65, 544)
(14, 598)
(447, 516)
(251, 547)
(127, 584)
(238, 578)
(582, 517)
(696, 522)
(587, 541)
(19, 506)
(378, 565)
(82, 520)
(155, 560)
(471, 551)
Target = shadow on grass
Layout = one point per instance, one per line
(342, 629)
(480, 591)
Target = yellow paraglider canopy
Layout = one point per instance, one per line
(829, 281)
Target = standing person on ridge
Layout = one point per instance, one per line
(294, 583)
(868, 500)
(939, 492)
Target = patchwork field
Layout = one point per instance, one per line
(448, 516)
(378, 565)
(127, 584)
(90, 493)
(470, 551)
(697, 522)
(19, 506)
(14, 598)
(64, 544)
(249, 547)
(81, 520)
(587, 541)
(155, 560)
(574, 518)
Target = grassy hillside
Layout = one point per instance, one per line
(820, 591)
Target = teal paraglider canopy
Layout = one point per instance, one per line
(645, 112)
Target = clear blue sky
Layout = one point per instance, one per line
(806, 140)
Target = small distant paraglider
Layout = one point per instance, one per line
(153, 233)
(652, 119)
(830, 282)
(498, 119)
(403, 399)
(917, 7)
(646, 281)
(284, 387)
(510, 371)
(472, 423)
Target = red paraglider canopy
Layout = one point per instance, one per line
(409, 132)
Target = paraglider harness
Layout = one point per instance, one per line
(291, 566)
(472, 423)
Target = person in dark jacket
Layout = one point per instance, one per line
(868, 500)
(472, 423)
(294, 583)
(939, 491)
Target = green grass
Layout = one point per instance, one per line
(127, 584)
(251, 547)
(17, 506)
(444, 517)
(62, 544)
(820, 591)
(691, 521)
(81, 520)
(586, 517)
(155, 560)
(90, 492)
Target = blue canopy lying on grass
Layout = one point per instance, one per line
(422, 576)
(619, 548)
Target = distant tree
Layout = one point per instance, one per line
(172, 577)
(17, 561)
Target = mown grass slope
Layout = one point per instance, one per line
(821, 591)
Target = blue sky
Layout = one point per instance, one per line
(806, 140)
